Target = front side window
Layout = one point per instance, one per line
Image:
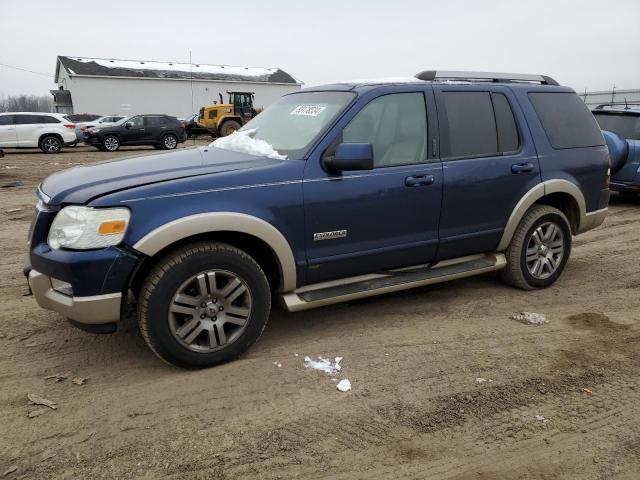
(624, 124)
(6, 119)
(396, 127)
(293, 123)
(136, 121)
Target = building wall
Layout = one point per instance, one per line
(125, 96)
(593, 99)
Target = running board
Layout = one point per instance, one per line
(327, 293)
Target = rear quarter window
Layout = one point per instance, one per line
(566, 120)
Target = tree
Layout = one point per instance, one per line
(26, 103)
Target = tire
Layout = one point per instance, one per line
(51, 144)
(229, 127)
(173, 321)
(169, 141)
(111, 143)
(549, 249)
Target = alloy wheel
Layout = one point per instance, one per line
(210, 311)
(545, 250)
(51, 145)
(111, 143)
(170, 142)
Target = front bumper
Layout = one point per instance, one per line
(95, 309)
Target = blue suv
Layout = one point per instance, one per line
(621, 126)
(331, 194)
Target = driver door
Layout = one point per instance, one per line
(366, 221)
(136, 132)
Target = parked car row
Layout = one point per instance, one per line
(50, 132)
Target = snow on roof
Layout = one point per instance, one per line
(101, 67)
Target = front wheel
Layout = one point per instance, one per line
(204, 304)
(111, 143)
(229, 127)
(539, 249)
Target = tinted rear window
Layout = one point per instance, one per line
(566, 120)
(624, 124)
(471, 124)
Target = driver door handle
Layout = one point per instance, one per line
(419, 180)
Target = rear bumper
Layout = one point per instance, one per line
(593, 219)
(96, 309)
(625, 187)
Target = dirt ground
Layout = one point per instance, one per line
(557, 401)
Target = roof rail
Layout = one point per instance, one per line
(624, 104)
(485, 77)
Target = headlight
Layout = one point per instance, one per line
(84, 228)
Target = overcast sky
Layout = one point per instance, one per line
(583, 43)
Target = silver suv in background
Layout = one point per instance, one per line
(98, 122)
(47, 131)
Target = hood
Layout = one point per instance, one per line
(81, 184)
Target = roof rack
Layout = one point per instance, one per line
(485, 77)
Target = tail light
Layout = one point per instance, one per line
(183, 124)
(70, 125)
(607, 182)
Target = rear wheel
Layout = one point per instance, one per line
(169, 141)
(51, 144)
(204, 304)
(111, 143)
(229, 127)
(539, 249)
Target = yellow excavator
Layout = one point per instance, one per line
(222, 119)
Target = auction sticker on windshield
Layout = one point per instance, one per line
(308, 110)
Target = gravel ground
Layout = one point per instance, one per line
(445, 385)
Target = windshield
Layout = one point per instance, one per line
(624, 124)
(293, 123)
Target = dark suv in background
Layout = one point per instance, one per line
(161, 131)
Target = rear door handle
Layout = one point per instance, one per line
(522, 167)
(419, 180)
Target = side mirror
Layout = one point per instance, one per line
(351, 156)
(128, 125)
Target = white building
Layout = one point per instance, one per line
(130, 87)
(612, 97)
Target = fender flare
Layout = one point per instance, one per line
(186, 227)
(535, 194)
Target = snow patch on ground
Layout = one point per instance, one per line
(344, 385)
(243, 142)
(529, 318)
(323, 364)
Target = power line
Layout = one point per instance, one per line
(25, 70)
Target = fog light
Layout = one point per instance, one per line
(62, 287)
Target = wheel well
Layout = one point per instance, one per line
(566, 204)
(45, 135)
(254, 247)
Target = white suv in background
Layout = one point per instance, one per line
(47, 131)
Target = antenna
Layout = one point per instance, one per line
(191, 80)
